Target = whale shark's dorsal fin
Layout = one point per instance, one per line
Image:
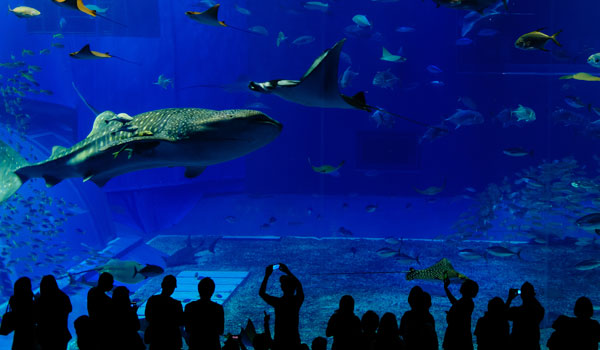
(209, 17)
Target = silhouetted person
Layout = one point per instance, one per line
(21, 303)
(99, 307)
(164, 315)
(388, 336)
(458, 333)
(492, 330)
(344, 326)
(85, 334)
(52, 309)
(319, 343)
(579, 332)
(369, 324)
(526, 319)
(417, 326)
(204, 319)
(287, 308)
(125, 323)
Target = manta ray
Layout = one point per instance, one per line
(439, 271)
(210, 17)
(318, 87)
(87, 54)
(78, 5)
(186, 137)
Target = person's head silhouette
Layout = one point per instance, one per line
(469, 288)
(22, 288)
(346, 304)
(496, 307)
(206, 288)
(48, 285)
(369, 322)
(527, 291)
(168, 285)
(105, 282)
(288, 284)
(583, 308)
(319, 343)
(415, 298)
(121, 296)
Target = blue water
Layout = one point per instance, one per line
(383, 165)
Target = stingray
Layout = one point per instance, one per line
(319, 87)
(79, 6)
(210, 17)
(431, 191)
(439, 271)
(87, 54)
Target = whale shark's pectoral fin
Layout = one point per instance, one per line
(51, 181)
(193, 171)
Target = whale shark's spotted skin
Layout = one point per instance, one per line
(189, 137)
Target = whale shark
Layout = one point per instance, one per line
(193, 138)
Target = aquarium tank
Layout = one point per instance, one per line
(369, 145)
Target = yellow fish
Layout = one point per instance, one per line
(24, 11)
(581, 76)
(536, 40)
(325, 169)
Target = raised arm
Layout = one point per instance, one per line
(262, 292)
(447, 290)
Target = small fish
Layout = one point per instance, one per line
(464, 42)
(44, 51)
(383, 119)
(281, 38)
(590, 222)
(487, 32)
(347, 78)
(24, 11)
(386, 252)
(164, 82)
(361, 21)
(392, 240)
(434, 69)
(465, 117)
(575, 102)
(259, 30)
(405, 29)
(581, 76)
(34, 68)
(536, 40)
(26, 52)
(586, 265)
(437, 83)
(517, 152)
(345, 232)
(594, 60)
(502, 252)
(371, 208)
(303, 40)
(58, 45)
(316, 6)
(242, 10)
(405, 259)
(385, 79)
(326, 169)
(62, 22)
(523, 114)
(58, 36)
(469, 254)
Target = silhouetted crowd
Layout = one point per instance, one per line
(40, 322)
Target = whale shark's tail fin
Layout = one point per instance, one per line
(10, 161)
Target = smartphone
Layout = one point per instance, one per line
(235, 337)
(519, 292)
(276, 266)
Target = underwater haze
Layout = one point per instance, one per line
(351, 140)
